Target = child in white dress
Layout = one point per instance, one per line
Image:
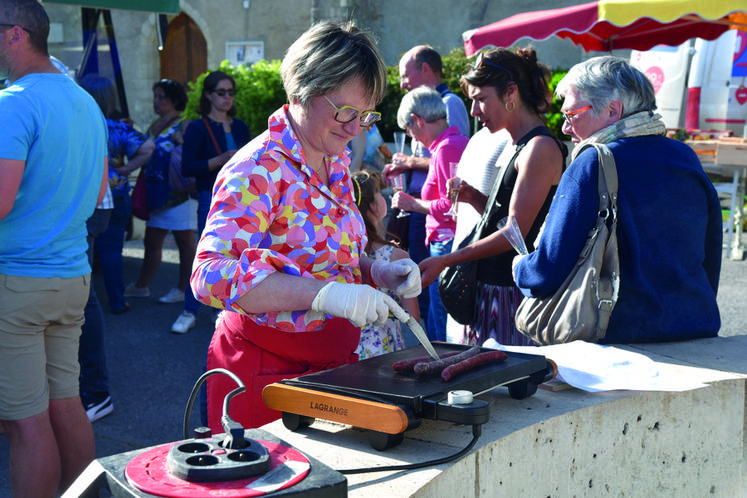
(376, 340)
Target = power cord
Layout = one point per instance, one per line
(476, 432)
(234, 431)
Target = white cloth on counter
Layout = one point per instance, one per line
(594, 367)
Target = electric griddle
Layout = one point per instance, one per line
(368, 394)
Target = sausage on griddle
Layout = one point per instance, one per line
(409, 365)
(436, 366)
(481, 359)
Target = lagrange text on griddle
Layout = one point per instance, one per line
(322, 407)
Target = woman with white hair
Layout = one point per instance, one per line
(422, 113)
(668, 213)
(283, 244)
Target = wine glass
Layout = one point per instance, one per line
(513, 234)
(399, 141)
(399, 183)
(454, 191)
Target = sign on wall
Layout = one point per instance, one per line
(245, 52)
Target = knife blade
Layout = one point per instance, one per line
(422, 337)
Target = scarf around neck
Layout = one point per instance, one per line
(636, 125)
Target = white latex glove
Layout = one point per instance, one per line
(401, 276)
(361, 304)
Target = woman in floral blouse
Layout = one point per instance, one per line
(282, 247)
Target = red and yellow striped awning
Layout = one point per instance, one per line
(616, 24)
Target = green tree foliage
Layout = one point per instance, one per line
(554, 118)
(259, 93)
(455, 64)
(388, 107)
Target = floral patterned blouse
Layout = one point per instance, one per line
(270, 213)
(380, 339)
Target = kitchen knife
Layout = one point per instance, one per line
(422, 337)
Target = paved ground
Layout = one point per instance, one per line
(152, 371)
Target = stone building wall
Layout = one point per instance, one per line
(397, 24)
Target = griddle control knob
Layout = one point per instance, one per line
(202, 433)
(459, 397)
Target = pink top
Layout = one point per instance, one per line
(270, 213)
(447, 148)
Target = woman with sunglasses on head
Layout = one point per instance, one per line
(669, 225)
(508, 91)
(208, 144)
(283, 245)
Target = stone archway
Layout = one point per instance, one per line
(184, 54)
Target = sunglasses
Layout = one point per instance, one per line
(11, 25)
(569, 115)
(224, 93)
(348, 113)
(484, 61)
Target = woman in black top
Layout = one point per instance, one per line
(508, 90)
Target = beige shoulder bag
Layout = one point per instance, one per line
(581, 307)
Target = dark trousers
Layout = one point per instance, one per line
(94, 376)
(109, 247)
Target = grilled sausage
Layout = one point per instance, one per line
(409, 365)
(436, 366)
(481, 359)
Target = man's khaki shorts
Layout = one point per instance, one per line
(40, 321)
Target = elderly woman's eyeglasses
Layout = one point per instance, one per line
(348, 113)
(568, 116)
(484, 61)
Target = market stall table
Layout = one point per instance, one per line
(727, 157)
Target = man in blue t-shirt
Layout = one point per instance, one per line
(52, 175)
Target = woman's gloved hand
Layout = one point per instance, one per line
(361, 304)
(401, 276)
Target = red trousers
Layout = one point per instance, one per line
(260, 355)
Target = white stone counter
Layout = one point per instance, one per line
(571, 443)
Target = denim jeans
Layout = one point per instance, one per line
(191, 304)
(94, 376)
(109, 247)
(436, 311)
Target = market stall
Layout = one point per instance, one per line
(726, 158)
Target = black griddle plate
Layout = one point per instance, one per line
(374, 379)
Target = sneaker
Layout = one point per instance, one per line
(173, 296)
(133, 291)
(185, 322)
(99, 408)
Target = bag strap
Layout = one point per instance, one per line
(210, 130)
(498, 183)
(489, 205)
(608, 181)
(607, 185)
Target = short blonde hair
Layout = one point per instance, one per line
(328, 56)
